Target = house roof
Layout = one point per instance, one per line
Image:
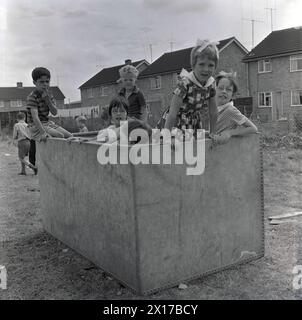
(176, 60)
(15, 93)
(278, 42)
(107, 75)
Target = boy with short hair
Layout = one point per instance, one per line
(39, 103)
(134, 97)
(21, 134)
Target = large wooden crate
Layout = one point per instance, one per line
(153, 226)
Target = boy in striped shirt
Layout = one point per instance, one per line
(39, 103)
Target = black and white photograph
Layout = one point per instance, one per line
(150, 150)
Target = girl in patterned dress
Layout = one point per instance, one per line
(193, 104)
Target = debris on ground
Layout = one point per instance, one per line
(279, 221)
(247, 254)
(286, 215)
(182, 286)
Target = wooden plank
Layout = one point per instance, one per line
(286, 215)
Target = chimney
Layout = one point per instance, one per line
(128, 61)
(19, 84)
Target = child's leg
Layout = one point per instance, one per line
(23, 172)
(66, 133)
(32, 152)
(28, 164)
(23, 150)
(56, 131)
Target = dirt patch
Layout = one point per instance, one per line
(41, 267)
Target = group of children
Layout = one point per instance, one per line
(199, 101)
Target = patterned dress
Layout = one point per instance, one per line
(194, 112)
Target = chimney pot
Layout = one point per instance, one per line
(128, 61)
(19, 84)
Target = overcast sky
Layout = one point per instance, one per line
(75, 39)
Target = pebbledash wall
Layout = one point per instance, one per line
(280, 81)
(159, 99)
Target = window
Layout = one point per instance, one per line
(16, 103)
(156, 83)
(265, 99)
(296, 62)
(89, 93)
(1, 104)
(104, 91)
(264, 66)
(296, 98)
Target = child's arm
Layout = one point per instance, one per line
(15, 134)
(50, 101)
(248, 128)
(213, 113)
(145, 114)
(142, 103)
(38, 124)
(176, 103)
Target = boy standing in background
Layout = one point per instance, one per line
(21, 134)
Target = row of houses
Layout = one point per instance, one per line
(269, 77)
(13, 100)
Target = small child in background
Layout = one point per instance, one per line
(21, 138)
(81, 123)
(193, 105)
(230, 122)
(118, 112)
(134, 97)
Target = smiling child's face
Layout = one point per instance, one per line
(118, 114)
(204, 68)
(128, 82)
(224, 91)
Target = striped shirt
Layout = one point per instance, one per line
(35, 101)
(229, 117)
(21, 131)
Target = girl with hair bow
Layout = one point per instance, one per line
(193, 105)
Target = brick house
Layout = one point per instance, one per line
(158, 80)
(13, 100)
(274, 70)
(99, 90)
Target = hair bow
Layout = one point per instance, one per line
(202, 44)
(227, 74)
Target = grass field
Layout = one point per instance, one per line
(41, 267)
